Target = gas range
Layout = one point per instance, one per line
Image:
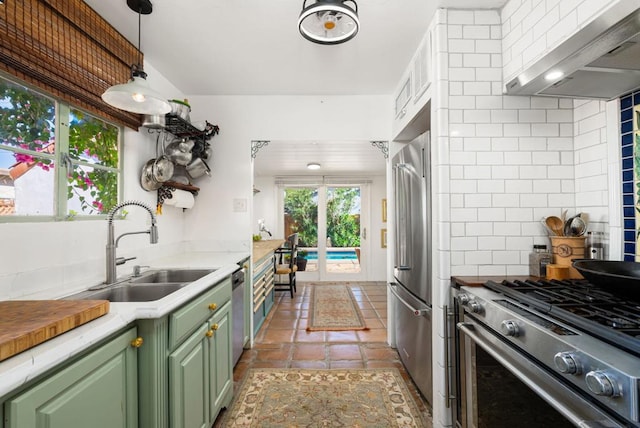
(583, 338)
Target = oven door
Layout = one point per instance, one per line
(498, 386)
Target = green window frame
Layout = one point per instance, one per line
(86, 162)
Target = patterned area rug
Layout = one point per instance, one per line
(291, 398)
(333, 307)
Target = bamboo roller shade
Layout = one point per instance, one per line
(66, 49)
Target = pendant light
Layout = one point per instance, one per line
(136, 96)
(329, 22)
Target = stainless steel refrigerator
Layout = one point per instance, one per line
(412, 261)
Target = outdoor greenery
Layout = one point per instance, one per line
(343, 224)
(27, 122)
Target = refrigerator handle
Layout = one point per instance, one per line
(416, 312)
(401, 206)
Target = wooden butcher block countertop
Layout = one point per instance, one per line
(27, 323)
(264, 247)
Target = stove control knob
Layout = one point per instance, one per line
(475, 307)
(567, 363)
(600, 383)
(510, 328)
(463, 298)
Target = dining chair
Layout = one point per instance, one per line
(285, 264)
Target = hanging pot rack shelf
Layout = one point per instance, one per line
(184, 129)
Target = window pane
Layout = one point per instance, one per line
(91, 190)
(26, 184)
(27, 119)
(92, 140)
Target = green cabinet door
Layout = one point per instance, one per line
(98, 391)
(221, 360)
(189, 381)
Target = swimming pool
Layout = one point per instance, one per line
(334, 255)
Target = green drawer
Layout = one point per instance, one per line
(188, 318)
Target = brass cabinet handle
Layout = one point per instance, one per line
(209, 333)
(137, 342)
(214, 327)
(213, 306)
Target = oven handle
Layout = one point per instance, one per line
(469, 329)
(416, 312)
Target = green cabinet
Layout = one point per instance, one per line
(200, 373)
(98, 390)
(263, 290)
(185, 365)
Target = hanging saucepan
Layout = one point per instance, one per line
(197, 168)
(147, 181)
(162, 169)
(179, 151)
(155, 121)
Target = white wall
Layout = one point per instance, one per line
(215, 224)
(532, 28)
(56, 258)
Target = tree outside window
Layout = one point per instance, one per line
(39, 150)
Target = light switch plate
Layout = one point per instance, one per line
(239, 205)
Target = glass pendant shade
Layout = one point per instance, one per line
(136, 96)
(329, 22)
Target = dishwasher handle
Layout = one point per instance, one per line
(416, 312)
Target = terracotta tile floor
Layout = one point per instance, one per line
(283, 341)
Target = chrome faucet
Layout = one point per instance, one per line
(112, 244)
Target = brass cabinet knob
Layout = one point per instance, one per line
(137, 342)
(214, 327)
(213, 306)
(209, 333)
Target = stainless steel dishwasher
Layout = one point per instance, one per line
(237, 313)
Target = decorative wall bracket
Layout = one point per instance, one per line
(257, 145)
(383, 146)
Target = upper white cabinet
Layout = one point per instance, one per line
(413, 93)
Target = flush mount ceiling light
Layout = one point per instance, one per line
(313, 165)
(136, 96)
(329, 22)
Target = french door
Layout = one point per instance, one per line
(332, 222)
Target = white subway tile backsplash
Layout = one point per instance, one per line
(491, 186)
(560, 172)
(518, 158)
(545, 158)
(476, 32)
(462, 74)
(455, 31)
(488, 46)
(519, 186)
(477, 172)
(505, 200)
(477, 88)
(492, 75)
(560, 115)
(504, 172)
(455, 60)
(518, 215)
(517, 130)
(464, 243)
(484, 17)
(476, 60)
(462, 46)
(531, 116)
(504, 143)
(483, 257)
(490, 158)
(491, 242)
(545, 130)
(477, 144)
(547, 186)
(477, 200)
(491, 214)
(545, 103)
(516, 102)
(489, 130)
(488, 102)
(460, 17)
(496, 32)
(477, 116)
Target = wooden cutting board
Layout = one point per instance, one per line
(27, 323)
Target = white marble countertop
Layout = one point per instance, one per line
(18, 370)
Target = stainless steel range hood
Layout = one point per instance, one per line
(600, 61)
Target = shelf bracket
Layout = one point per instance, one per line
(257, 145)
(383, 146)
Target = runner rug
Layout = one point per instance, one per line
(270, 398)
(333, 307)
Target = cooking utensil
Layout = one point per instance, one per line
(566, 228)
(162, 169)
(619, 278)
(180, 109)
(147, 181)
(577, 227)
(155, 121)
(555, 224)
(197, 168)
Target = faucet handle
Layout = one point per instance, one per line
(137, 269)
(122, 260)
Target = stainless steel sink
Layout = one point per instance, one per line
(128, 292)
(170, 275)
(151, 285)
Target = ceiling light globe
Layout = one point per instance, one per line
(126, 97)
(329, 22)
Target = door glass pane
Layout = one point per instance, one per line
(343, 229)
(301, 216)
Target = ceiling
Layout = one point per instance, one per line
(253, 47)
(353, 158)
